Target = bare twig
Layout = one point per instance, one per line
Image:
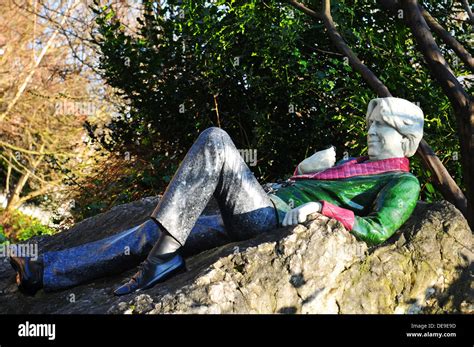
(217, 111)
(36, 63)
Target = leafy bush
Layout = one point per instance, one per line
(35, 229)
(17, 226)
(3, 237)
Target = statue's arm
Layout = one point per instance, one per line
(319, 161)
(391, 209)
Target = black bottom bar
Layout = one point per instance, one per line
(88, 330)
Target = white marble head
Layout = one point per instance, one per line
(395, 128)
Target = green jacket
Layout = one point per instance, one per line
(372, 207)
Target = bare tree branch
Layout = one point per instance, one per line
(468, 9)
(304, 9)
(433, 56)
(23, 169)
(339, 42)
(27, 151)
(460, 100)
(448, 39)
(36, 63)
(41, 191)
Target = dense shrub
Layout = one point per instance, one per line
(17, 226)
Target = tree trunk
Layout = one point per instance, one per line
(7, 180)
(459, 99)
(14, 198)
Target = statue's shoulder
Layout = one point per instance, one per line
(406, 177)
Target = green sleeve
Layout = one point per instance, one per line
(391, 209)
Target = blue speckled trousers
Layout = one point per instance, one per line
(212, 167)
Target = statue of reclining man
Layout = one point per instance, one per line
(371, 196)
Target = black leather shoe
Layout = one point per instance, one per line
(151, 272)
(29, 276)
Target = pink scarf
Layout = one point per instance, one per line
(357, 167)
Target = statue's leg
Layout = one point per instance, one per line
(120, 252)
(214, 166)
(114, 254)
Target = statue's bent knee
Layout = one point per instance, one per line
(213, 133)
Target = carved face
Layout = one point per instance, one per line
(383, 141)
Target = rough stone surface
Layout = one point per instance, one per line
(317, 267)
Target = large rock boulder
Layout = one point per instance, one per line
(317, 267)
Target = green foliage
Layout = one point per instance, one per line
(35, 229)
(265, 73)
(3, 237)
(20, 227)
